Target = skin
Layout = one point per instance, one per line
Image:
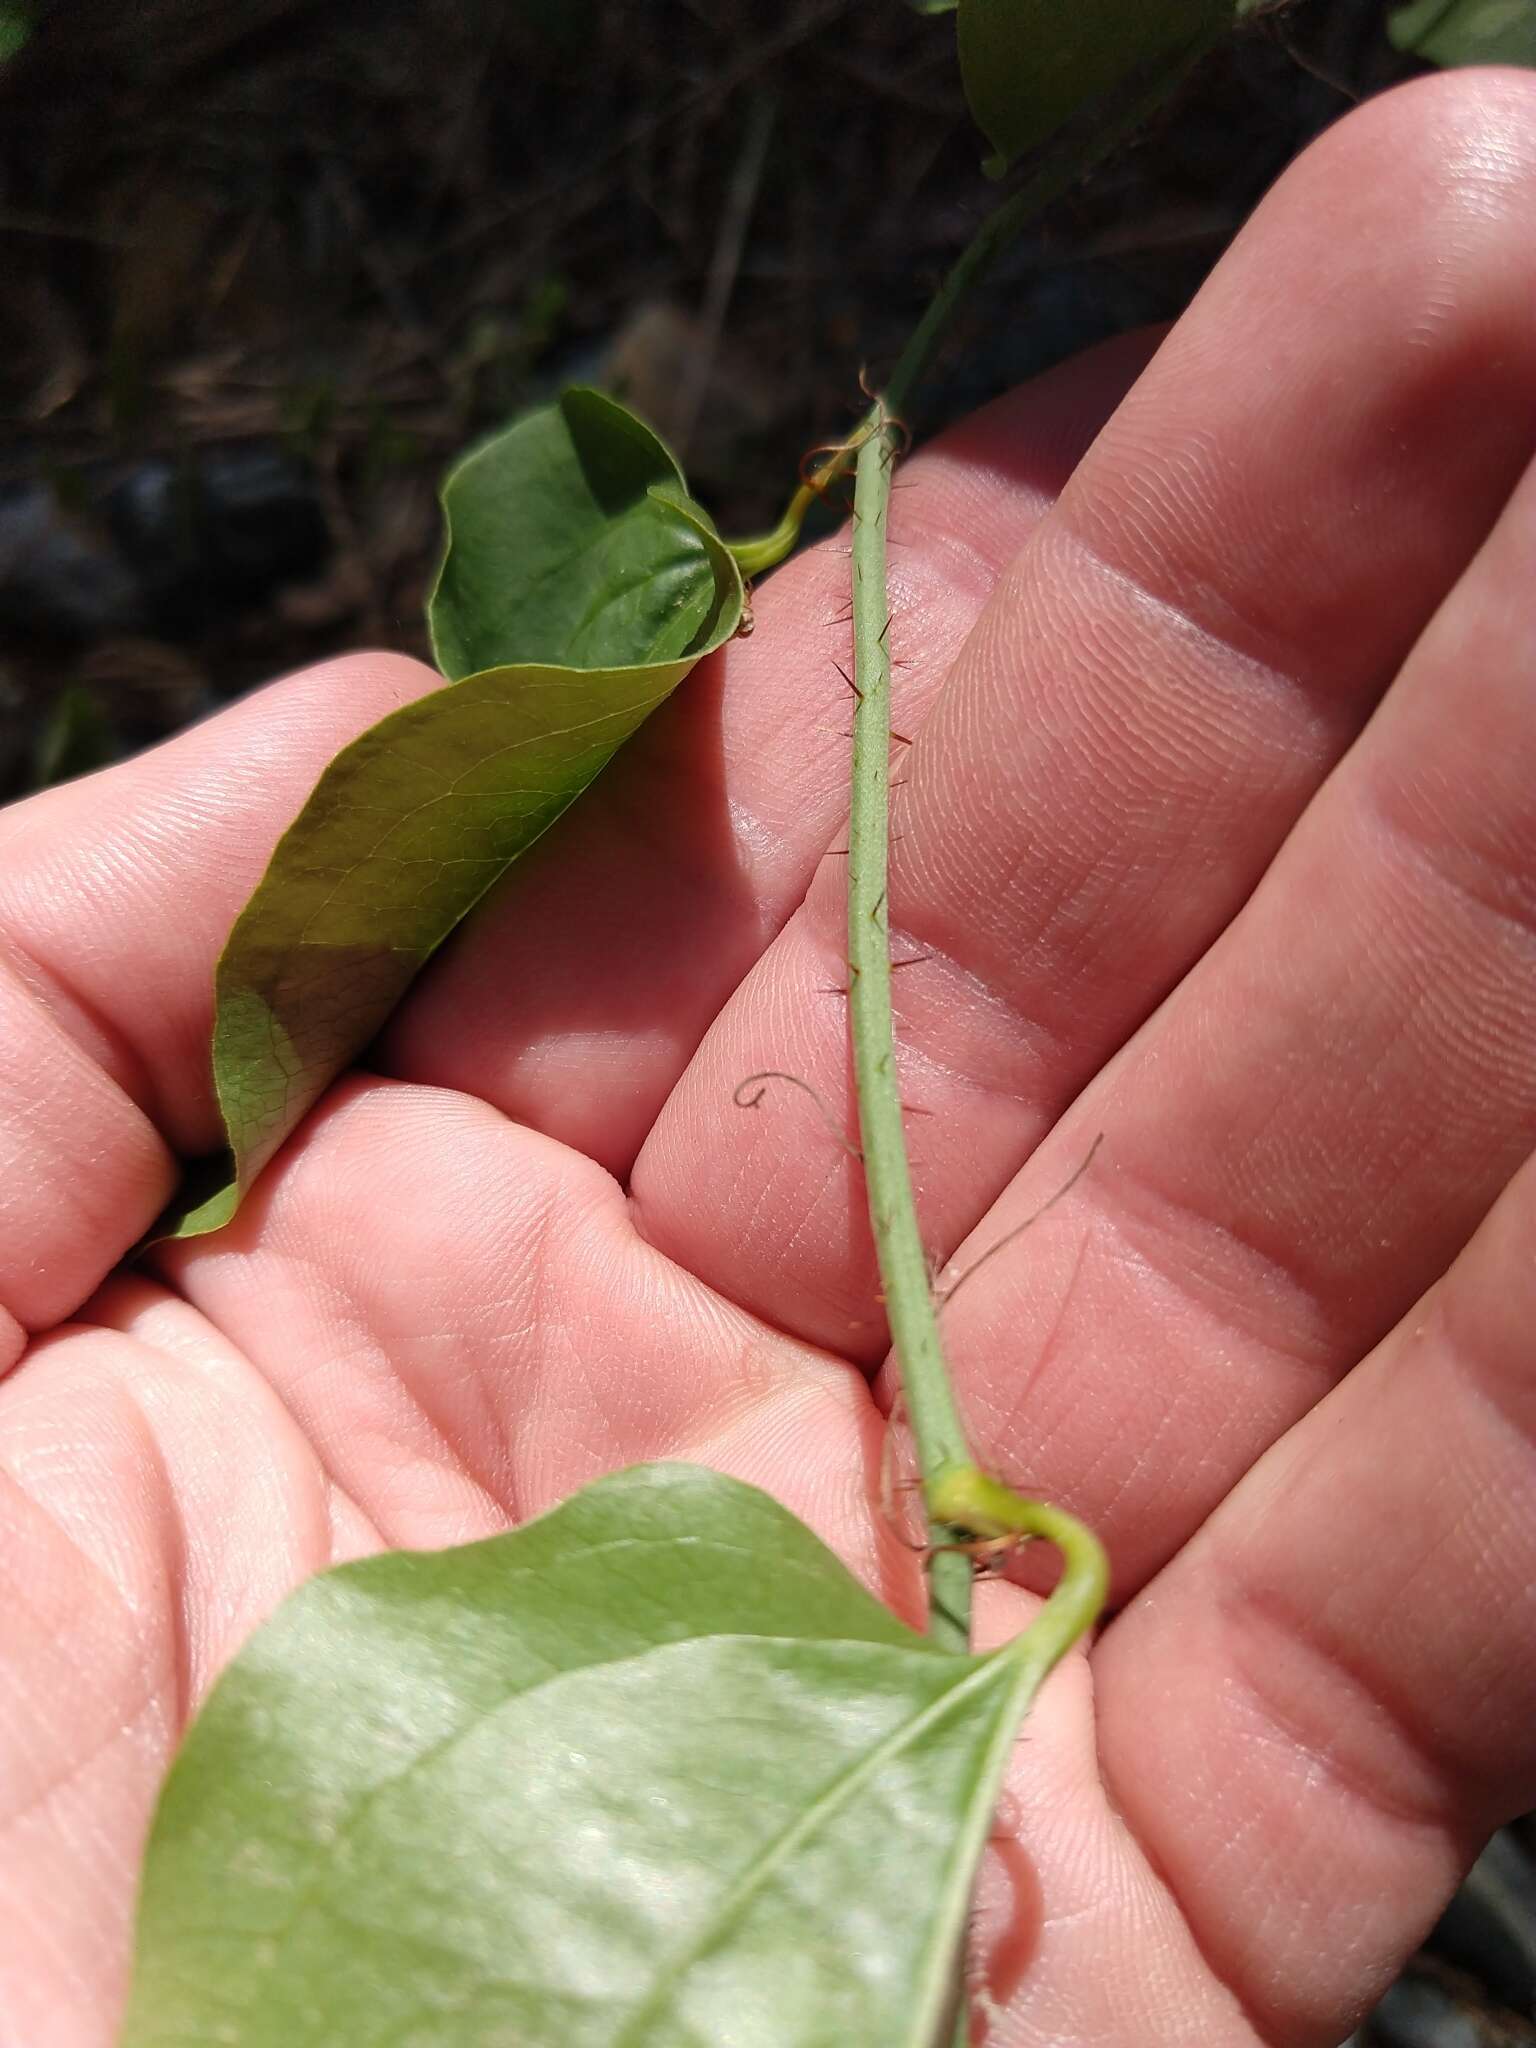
(1219, 829)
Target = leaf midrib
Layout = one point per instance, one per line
(363, 1806)
(565, 564)
(826, 1804)
(844, 1784)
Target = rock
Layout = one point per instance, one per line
(60, 580)
(220, 530)
(698, 392)
(1433, 2008)
(1489, 1928)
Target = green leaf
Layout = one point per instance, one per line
(651, 1772)
(579, 586)
(1453, 32)
(76, 739)
(1029, 65)
(17, 24)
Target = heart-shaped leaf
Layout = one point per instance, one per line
(580, 585)
(651, 1772)
(1029, 65)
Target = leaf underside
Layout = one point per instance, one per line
(579, 586)
(651, 1772)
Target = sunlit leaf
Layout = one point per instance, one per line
(1452, 32)
(580, 585)
(1030, 65)
(652, 1772)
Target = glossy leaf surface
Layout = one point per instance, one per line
(651, 1772)
(580, 585)
(1030, 65)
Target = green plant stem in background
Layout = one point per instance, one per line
(1056, 175)
(1059, 172)
(935, 1419)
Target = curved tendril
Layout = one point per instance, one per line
(975, 1505)
(765, 551)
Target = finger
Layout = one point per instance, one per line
(1312, 1126)
(164, 1483)
(1184, 649)
(1320, 1709)
(116, 896)
(575, 997)
(155, 1504)
(460, 1319)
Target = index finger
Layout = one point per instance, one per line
(116, 895)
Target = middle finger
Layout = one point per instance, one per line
(1185, 647)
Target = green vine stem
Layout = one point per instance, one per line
(967, 1508)
(962, 1500)
(1055, 175)
(935, 1419)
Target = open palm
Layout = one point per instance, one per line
(1217, 838)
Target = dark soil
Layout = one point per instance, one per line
(269, 263)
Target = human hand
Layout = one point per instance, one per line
(1218, 836)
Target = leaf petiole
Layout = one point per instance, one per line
(963, 1497)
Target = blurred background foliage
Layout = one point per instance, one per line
(268, 263)
(265, 265)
